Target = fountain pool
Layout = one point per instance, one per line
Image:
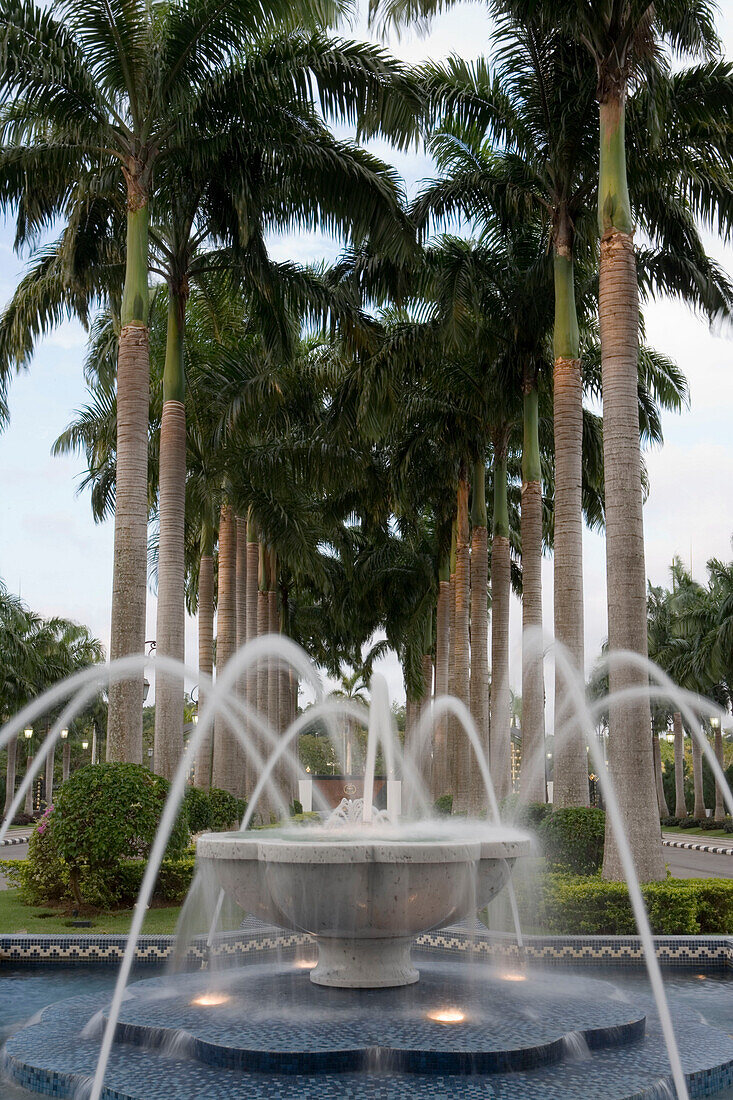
(325, 1001)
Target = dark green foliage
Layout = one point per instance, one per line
(198, 808)
(586, 905)
(172, 885)
(669, 822)
(226, 810)
(105, 814)
(444, 805)
(690, 823)
(108, 812)
(572, 839)
(529, 816)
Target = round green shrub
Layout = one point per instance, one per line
(572, 839)
(226, 810)
(106, 813)
(444, 805)
(198, 808)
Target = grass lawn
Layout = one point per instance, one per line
(692, 835)
(17, 917)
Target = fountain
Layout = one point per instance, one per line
(364, 899)
(346, 911)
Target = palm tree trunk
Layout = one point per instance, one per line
(479, 690)
(452, 724)
(500, 697)
(284, 695)
(570, 786)
(263, 624)
(719, 800)
(202, 774)
(65, 761)
(661, 800)
(241, 581)
(273, 627)
(129, 584)
(442, 659)
(699, 811)
(463, 601)
(253, 565)
(629, 746)
(240, 600)
(224, 774)
(282, 775)
(680, 806)
(171, 622)
(424, 763)
(532, 787)
(12, 750)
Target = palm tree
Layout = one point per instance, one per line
(621, 37)
(117, 93)
(35, 653)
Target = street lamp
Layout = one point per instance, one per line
(146, 688)
(715, 722)
(85, 745)
(28, 806)
(66, 756)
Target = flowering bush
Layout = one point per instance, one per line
(44, 876)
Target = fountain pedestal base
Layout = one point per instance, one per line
(364, 963)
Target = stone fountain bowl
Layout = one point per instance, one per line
(364, 894)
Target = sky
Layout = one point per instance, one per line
(60, 561)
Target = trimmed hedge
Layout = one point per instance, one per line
(586, 905)
(572, 839)
(172, 885)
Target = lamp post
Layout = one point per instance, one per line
(66, 756)
(50, 764)
(28, 806)
(719, 814)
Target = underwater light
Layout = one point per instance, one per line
(210, 1000)
(513, 977)
(447, 1016)
(304, 964)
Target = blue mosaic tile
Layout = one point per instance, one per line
(52, 1057)
(335, 1030)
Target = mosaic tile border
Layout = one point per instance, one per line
(257, 941)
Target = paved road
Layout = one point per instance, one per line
(685, 864)
(13, 851)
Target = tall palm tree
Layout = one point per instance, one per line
(116, 92)
(621, 38)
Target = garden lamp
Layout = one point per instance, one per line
(64, 734)
(146, 688)
(85, 745)
(28, 733)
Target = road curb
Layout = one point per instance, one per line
(693, 846)
(9, 840)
